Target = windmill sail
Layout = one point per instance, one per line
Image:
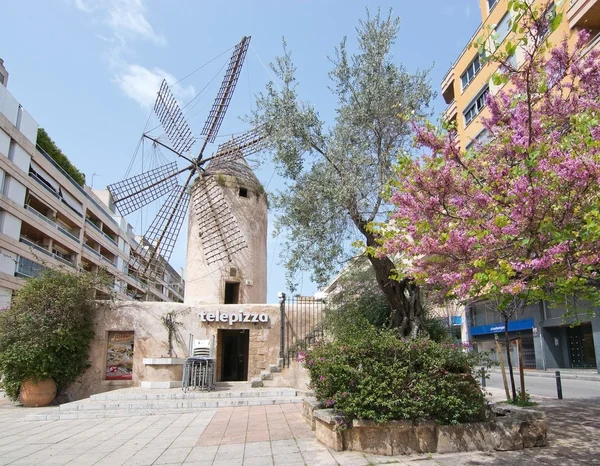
(220, 232)
(218, 228)
(219, 108)
(138, 191)
(159, 241)
(241, 146)
(171, 118)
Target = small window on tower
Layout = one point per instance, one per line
(243, 192)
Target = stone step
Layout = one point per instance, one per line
(90, 410)
(103, 405)
(178, 394)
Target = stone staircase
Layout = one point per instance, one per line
(143, 402)
(278, 377)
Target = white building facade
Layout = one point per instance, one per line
(47, 220)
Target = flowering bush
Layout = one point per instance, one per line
(384, 378)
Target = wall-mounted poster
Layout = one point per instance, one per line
(119, 356)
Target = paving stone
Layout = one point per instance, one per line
(289, 458)
(258, 461)
(173, 455)
(144, 457)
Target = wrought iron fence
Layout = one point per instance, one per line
(302, 325)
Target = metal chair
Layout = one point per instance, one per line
(199, 369)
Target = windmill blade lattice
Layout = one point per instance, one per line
(159, 241)
(239, 147)
(138, 191)
(171, 118)
(218, 228)
(217, 112)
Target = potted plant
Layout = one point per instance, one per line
(45, 335)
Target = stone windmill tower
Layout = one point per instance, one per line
(242, 279)
(226, 260)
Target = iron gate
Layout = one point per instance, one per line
(301, 325)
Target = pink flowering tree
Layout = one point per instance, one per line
(515, 219)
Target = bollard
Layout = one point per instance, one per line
(482, 377)
(558, 385)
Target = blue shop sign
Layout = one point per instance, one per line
(513, 326)
(456, 320)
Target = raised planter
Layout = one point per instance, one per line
(507, 429)
(37, 393)
(162, 372)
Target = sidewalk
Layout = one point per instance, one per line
(262, 436)
(591, 375)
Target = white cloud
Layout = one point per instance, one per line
(141, 84)
(127, 21)
(468, 11)
(126, 18)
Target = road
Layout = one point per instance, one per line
(546, 386)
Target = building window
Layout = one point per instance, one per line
(476, 105)
(548, 17)
(471, 71)
(503, 28)
(483, 137)
(491, 4)
(243, 192)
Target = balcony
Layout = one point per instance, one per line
(92, 250)
(584, 14)
(66, 259)
(448, 86)
(99, 230)
(106, 259)
(28, 269)
(44, 183)
(35, 246)
(137, 280)
(51, 222)
(451, 112)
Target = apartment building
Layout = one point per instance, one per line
(548, 341)
(47, 220)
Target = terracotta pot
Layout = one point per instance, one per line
(37, 394)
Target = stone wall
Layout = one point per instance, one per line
(150, 339)
(505, 430)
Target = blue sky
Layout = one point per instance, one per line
(88, 70)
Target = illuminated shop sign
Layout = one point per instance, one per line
(233, 317)
(513, 326)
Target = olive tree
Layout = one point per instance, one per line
(336, 172)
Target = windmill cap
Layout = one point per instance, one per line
(237, 168)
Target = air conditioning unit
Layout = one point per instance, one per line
(249, 282)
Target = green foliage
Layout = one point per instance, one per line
(519, 401)
(46, 333)
(377, 376)
(360, 304)
(50, 147)
(337, 172)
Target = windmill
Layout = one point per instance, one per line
(218, 228)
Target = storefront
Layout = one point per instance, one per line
(483, 339)
(131, 347)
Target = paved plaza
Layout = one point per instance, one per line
(258, 435)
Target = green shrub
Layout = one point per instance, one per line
(380, 377)
(46, 333)
(50, 147)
